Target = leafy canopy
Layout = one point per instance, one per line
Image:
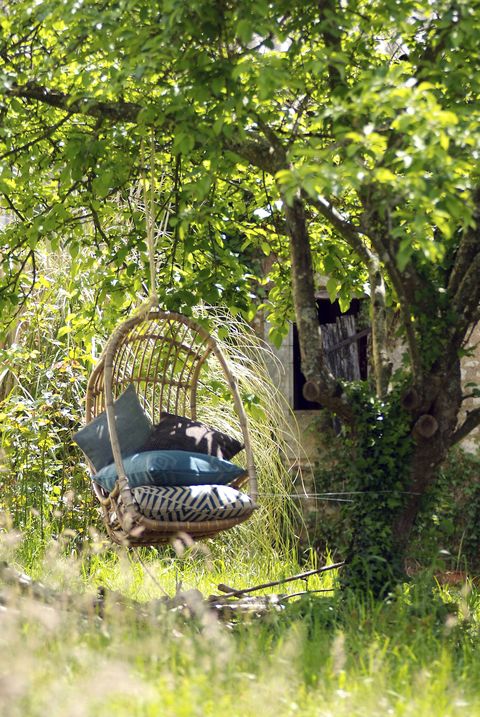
(369, 110)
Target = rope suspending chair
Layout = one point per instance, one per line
(162, 354)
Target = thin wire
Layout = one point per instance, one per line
(352, 492)
(333, 495)
(284, 496)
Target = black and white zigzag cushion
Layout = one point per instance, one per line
(192, 503)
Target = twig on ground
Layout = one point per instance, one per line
(232, 592)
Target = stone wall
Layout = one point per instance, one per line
(471, 374)
(305, 423)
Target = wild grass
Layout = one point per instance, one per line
(272, 430)
(416, 654)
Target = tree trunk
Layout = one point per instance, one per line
(430, 446)
(400, 440)
(398, 466)
(320, 385)
(378, 314)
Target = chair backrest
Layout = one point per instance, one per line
(162, 354)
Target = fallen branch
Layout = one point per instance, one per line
(289, 596)
(232, 592)
(188, 603)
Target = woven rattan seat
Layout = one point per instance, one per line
(163, 354)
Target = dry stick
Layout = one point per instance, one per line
(305, 592)
(230, 592)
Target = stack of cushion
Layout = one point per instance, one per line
(178, 470)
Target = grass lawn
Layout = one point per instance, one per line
(323, 655)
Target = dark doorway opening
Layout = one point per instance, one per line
(345, 345)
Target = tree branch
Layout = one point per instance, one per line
(471, 421)
(468, 248)
(14, 209)
(119, 110)
(437, 43)
(405, 300)
(465, 303)
(405, 283)
(257, 151)
(347, 230)
(378, 312)
(467, 296)
(331, 36)
(48, 132)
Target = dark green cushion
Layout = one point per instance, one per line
(133, 428)
(171, 468)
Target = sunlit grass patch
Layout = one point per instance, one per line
(416, 654)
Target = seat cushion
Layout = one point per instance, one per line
(192, 503)
(177, 468)
(133, 429)
(177, 433)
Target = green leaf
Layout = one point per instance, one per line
(63, 331)
(332, 288)
(244, 30)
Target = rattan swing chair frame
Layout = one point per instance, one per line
(162, 354)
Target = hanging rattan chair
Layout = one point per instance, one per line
(162, 354)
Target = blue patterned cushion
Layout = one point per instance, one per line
(192, 503)
(171, 468)
(133, 429)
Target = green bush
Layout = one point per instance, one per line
(447, 533)
(45, 360)
(449, 529)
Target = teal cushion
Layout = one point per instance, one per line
(192, 503)
(171, 468)
(133, 428)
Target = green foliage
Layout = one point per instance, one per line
(447, 532)
(46, 360)
(374, 109)
(43, 479)
(398, 123)
(446, 535)
(370, 470)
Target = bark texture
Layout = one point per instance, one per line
(378, 311)
(320, 384)
(431, 448)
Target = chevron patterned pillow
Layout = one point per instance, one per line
(192, 503)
